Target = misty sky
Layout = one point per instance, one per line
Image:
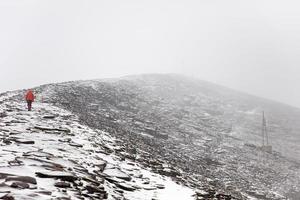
(251, 46)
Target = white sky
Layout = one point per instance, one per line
(251, 46)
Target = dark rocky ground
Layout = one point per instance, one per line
(201, 135)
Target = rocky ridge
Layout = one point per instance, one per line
(201, 135)
(49, 154)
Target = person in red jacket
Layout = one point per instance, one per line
(29, 98)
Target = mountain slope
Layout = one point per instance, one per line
(200, 134)
(165, 95)
(48, 154)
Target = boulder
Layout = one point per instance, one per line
(62, 184)
(20, 185)
(49, 116)
(114, 172)
(125, 186)
(95, 189)
(73, 144)
(23, 141)
(24, 179)
(65, 176)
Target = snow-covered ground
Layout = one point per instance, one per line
(48, 154)
(189, 132)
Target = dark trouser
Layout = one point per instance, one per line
(29, 103)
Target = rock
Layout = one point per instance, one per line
(204, 194)
(24, 141)
(18, 121)
(25, 179)
(169, 172)
(20, 185)
(65, 176)
(39, 154)
(3, 114)
(8, 197)
(14, 133)
(4, 175)
(101, 164)
(62, 184)
(44, 192)
(73, 144)
(160, 186)
(125, 186)
(53, 132)
(224, 196)
(66, 130)
(3, 194)
(120, 191)
(4, 130)
(93, 189)
(93, 181)
(63, 198)
(65, 140)
(112, 179)
(149, 188)
(114, 172)
(49, 116)
(7, 141)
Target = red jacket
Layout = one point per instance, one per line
(29, 96)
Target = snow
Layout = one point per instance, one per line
(53, 149)
(172, 190)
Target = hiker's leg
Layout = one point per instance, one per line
(29, 105)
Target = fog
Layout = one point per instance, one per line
(252, 46)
